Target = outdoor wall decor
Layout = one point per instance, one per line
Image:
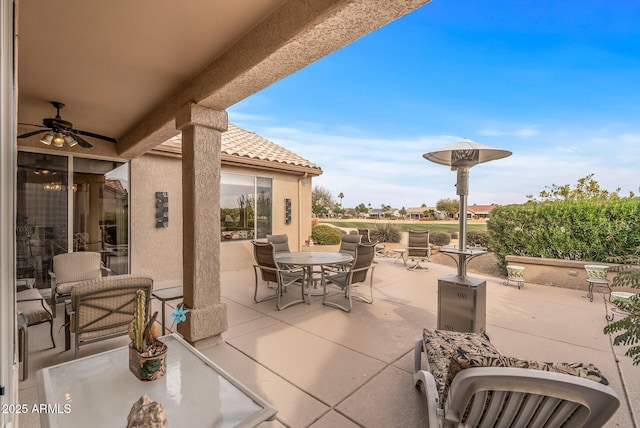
(287, 211)
(162, 209)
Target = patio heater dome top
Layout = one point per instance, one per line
(465, 153)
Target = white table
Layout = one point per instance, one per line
(99, 390)
(309, 259)
(402, 255)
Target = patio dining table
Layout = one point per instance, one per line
(309, 259)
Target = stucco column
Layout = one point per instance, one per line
(202, 130)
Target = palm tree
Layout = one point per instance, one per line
(341, 196)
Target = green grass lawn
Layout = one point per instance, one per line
(433, 226)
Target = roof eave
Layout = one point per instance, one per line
(226, 159)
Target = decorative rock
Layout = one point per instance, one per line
(146, 413)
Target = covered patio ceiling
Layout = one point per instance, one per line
(123, 68)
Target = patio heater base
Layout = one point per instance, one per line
(462, 304)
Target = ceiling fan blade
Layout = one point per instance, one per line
(82, 142)
(91, 134)
(32, 124)
(29, 134)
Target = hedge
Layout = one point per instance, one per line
(589, 230)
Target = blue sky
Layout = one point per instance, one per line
(555, 82)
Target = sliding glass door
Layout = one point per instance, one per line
(66, 204)
(101, 210)
(41, 214)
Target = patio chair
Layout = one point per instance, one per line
(32, 309)
(381, 249)
(349, 244)
(418, 249)
(102, 308)
(366, 237)
(357, 272)
(280, 243)
(272, 272)
(70, 269)
(468, 383)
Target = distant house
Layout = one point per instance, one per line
(479, 211)
(350, 213)
(378, 213)
(417, 213)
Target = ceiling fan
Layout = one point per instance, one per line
(59, 131)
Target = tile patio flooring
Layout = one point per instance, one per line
(321, 367)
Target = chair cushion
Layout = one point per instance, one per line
(441, 346)
(78, 266)
(460, 362)
(67, 286)
(34, 308)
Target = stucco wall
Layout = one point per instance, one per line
(559, 273)
(158, 251)
(236, 255)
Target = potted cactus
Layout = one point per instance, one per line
(146, 353)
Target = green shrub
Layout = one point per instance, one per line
(590, 230)
(454, 235)
(628, 276)
(476, 238)
(439, 238)
(386, 232)
(326, 235)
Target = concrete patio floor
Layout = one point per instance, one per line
(321, 367)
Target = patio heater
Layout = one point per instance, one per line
(462, 299)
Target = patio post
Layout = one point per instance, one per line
(202, 130)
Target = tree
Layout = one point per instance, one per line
(586, 188)
(385, 210)
(628, 326)
(362, 209)
(450, 206)
(341, 197)
(321, 201)
(403, 212)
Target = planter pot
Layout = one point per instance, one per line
(596, 271)
(148, 367)
(515, 272)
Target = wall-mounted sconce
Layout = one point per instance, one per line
(162, 209)
(287, 211)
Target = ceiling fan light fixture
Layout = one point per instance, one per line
(47, 139)
(70, 141)
(58, 140)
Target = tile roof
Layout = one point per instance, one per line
(240, 146)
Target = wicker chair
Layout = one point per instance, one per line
(70, 269)
(102, 308)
